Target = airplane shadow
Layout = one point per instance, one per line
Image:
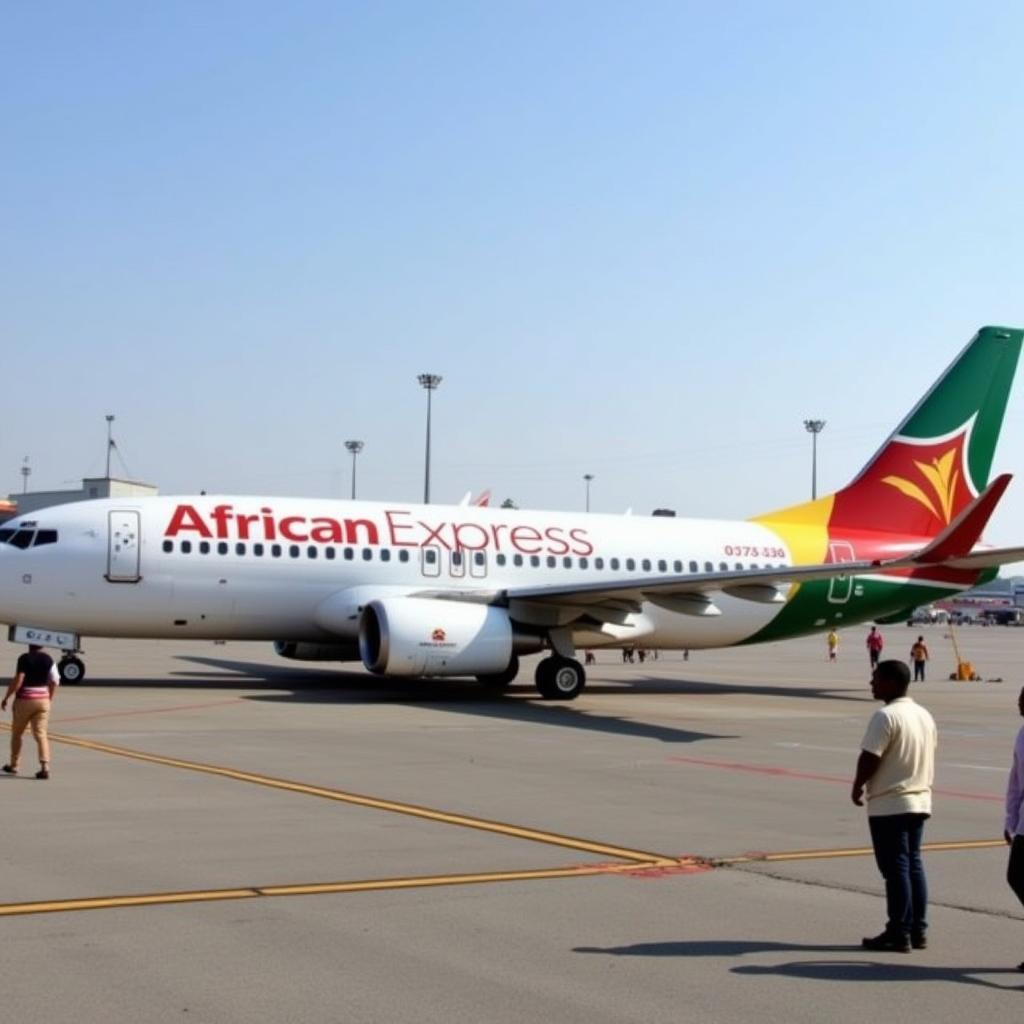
(329, 686)
(897, 970)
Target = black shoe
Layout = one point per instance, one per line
(919, 940)
(886, 943)
(9, 770)
(42, 774)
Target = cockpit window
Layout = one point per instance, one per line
(26, 538)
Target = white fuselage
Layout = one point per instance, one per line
(301, 569)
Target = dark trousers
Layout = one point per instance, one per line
(897, 842)
(919, 671)
(1015, 869)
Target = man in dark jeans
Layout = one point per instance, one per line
(896, 767)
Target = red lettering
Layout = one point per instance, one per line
(579, 535)
(434, 536)
(269, 530)
(554, 534)
(327, 530)
(220, 515)
(394, 527)
(244, 522)
(285, 526)
(352, 528)
(187, 518)
(496, 534)
(461, 543)
(521, 535)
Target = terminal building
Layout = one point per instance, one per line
(92, 487)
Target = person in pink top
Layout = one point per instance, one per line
(1013, 829)
(33, 687)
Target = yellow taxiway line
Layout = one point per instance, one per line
(430, 814)
(853, 851)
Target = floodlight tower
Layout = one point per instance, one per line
(355, 447)
(430, 382)
(814, 428)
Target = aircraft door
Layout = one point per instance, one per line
(841, 587)
(123, 547)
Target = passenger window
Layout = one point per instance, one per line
(403, 555)
(517, 559)
(708, 567)
(222, 548)
(662, 565)
(239, 549)
(615, 564)
(723, 566)
(693, 566)
(275, 550)
(329, 554)
(257, 550)
(367, 554)
(646, 565)
(429, 556)
(204, 547)
(583, 563)
(630, 565)
(385, 554)
(478, 558)
(677, 566)
(349, 554)
(168, 546)
(294, 551)
(500, 559)
(598, 563)
(311, 551)
(186, 546)
(567, 562)
(535, 560)
(552, 561)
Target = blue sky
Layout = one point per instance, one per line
(643, 241)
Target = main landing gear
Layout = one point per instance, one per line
(559, 678)
(71, 669)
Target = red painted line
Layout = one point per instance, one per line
(789, 773)
(147, 711)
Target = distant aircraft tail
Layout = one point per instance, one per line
(938, 459)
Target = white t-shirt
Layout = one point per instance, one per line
(903, 735)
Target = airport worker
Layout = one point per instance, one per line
(919, 655)
(1013, 830)
(832, 642)
(33, 687)
(896, 769)
(874, 644)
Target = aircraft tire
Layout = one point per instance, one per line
(560, 678)
(72, 670)
(498, 682)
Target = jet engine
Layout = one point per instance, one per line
(409, 636)
(300, 651)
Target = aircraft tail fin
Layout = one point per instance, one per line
(937, 462)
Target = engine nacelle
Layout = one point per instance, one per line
(301, 651)
(410, 636)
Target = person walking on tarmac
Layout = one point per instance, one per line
(919, 655)
(33, 687)
(874, 644)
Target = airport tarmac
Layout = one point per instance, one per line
(231, 837)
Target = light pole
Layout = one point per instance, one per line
(588, 477)
(355, 447)
(26, 472)
(110, 442)
(814, 428)
(431, 382)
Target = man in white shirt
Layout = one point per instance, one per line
(1013, 829)
(896, 767)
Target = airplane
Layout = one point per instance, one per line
(465, 590)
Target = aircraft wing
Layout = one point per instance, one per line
(953, 548)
